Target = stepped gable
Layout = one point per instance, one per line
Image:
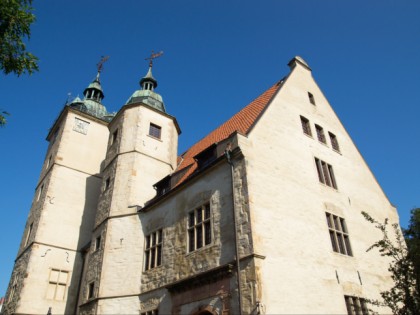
(241, 122)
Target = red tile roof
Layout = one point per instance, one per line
(241, 122)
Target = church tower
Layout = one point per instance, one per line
(142, 149)
(46, 274)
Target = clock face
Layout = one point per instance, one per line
(81, 126)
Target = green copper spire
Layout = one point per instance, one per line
(93, 96)
(146, 94)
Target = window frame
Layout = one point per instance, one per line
(155, 131)
(98, 240)
(199, 228)
(57, 283)
(153, 245)
(320, 134)
(90, 294)
(356, 305)
(28, 234)
(107, 183)
(325, 173)
(339, 235)
(334, 142)
(311, 98)
(114, 137)
(41, 189)
(306, 126)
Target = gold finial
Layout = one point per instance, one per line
(100, 64)
(153, 55)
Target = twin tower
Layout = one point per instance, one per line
(99, 169)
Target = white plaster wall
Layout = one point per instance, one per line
(123, 254)
(33, 296)
(69, 208)
(79, 151)
(288, 206)
(66, 210)
(133, 180)
(119, 305)
(135, 134)
(141, 161)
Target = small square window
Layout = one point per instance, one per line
(311, 98)
(155, 131)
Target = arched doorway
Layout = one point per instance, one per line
(206, 310)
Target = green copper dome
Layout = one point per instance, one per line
(146, 95)
(92, 102)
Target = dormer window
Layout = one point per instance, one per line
(163, 186)
(207, 156)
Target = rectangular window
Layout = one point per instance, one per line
(334, 142)
(151, 312)
(153, 250)
(155, 131)
(320, 134)
(356, 306)
(57, 284)
(98, 243)
(338, 234)
(325, 173)
(55, 135)
(114, 137)
(91, 290)
(306, 127)
(28, 235)
(311, 98)
(40, 192)
(199, 227)
(48, 162)
(107, 183)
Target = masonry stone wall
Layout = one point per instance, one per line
(16, 284)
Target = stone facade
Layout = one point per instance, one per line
(244, 222)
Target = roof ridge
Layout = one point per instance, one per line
(240, 122)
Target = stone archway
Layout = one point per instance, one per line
(204, 310)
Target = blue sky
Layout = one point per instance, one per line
(218, 56)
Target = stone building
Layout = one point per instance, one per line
(261, 216)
